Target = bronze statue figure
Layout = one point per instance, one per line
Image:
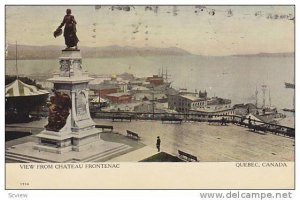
(59, 110)
(69, 22)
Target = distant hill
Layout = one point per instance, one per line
(49, 52)
(284, 54)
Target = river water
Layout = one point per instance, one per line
(235, 78)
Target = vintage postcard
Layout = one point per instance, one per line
(150, 97)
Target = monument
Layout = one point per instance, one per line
(70, 135)
(70, 127)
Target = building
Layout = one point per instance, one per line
(125, 107)
(187, 102)
(123, 85)
(119, 98)
(136, 82)
(104, 89)
(200, 103)
(212, 113)
(217, 101)
(183, 103)
(139, 89)
(155, 80)
(126, 76)
(183, 91)
(244, 109)
(149, 95)
(203, 94)
(144, 107)
(214, 107)
(147, 107)
(99, 80)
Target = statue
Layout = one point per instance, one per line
(59, 110)
(69, 22)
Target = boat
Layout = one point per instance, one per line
(288, 110)
(289, 85)
(267, 111)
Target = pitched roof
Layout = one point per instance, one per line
(18, 88)
(190, 97)
(102, 86)
(119, 94)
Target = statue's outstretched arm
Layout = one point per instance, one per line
(74, 20)
(62, 24)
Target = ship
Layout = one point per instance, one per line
(288, 110)
(289, 85)
(269, 112)
(161, 81)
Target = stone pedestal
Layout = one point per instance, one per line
(79, 131)
(63, 142)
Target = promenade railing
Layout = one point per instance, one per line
(251, 124)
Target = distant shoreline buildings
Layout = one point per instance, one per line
(125, 92)
(200, 103)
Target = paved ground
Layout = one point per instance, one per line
(207, 142)
(135, 156)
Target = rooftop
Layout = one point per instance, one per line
(99, 80)
(139, 88)
(119, 94)
(211, 110)
(102, 86)
(218, 101)
(136, 81)
(190, 97)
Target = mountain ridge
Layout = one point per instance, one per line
(264, 54)
(28, 52)
(53, 51)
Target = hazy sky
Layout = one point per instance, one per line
(216, 30)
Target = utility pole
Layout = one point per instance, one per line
(270, 97)
(167, 74)
(256, 93)
(17, 73)
(264, 87)
(153, 110)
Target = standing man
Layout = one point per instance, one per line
(158, 144)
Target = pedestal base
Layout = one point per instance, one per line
(99, 151)
(62, 142)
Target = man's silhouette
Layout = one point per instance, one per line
(158, 144)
